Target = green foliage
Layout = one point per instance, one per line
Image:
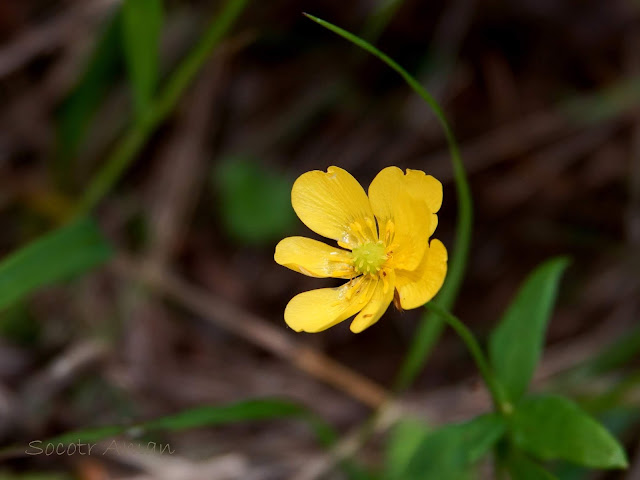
(552, 428)
(569, 471)
(69, 250)
(521, 467)
(516, 344)
(449, 452)
(406, 437)
(142, 22)
(255, 203)
(77, 111)
(237, 412)
(163, 105)
(205, 416)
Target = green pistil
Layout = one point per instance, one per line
(369, 258)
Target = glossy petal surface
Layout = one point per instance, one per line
(419, 286)
(313, 258)
(427, 189)
(388, 234)
(378, 304)
(334, 205)
(404, 221)
(317, 310)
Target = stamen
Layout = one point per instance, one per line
(356, 228)
(372, 227)
(352, 287)
(385, 282)
(390, 231)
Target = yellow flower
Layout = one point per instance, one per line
(385, 246)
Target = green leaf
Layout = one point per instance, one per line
(406, 437)
(69, 250)
(521, 467)
(255, 202)
(552, 428)
(77, 110)
(516, 344)
(448, 453)
(142, 22)
(570, 471)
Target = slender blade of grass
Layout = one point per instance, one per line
(133, 141)
(142, 22)
(203, 416)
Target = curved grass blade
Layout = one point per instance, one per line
(430, 325)
(165, 102)
(205, 416)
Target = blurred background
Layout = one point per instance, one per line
(542, 95)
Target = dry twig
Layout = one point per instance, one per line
(257, 331)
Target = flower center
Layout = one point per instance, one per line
(369, 258)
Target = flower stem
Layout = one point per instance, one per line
(500, 402)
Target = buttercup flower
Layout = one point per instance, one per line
(386, 254)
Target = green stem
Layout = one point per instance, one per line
(498, 396)
(131, 144)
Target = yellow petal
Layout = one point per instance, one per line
(380, 300)
(433, 223)
(429, 190)
(419, 286)
(425, 187)
(404, 221)
(318, 310)
(334, 205)
(314, 258)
